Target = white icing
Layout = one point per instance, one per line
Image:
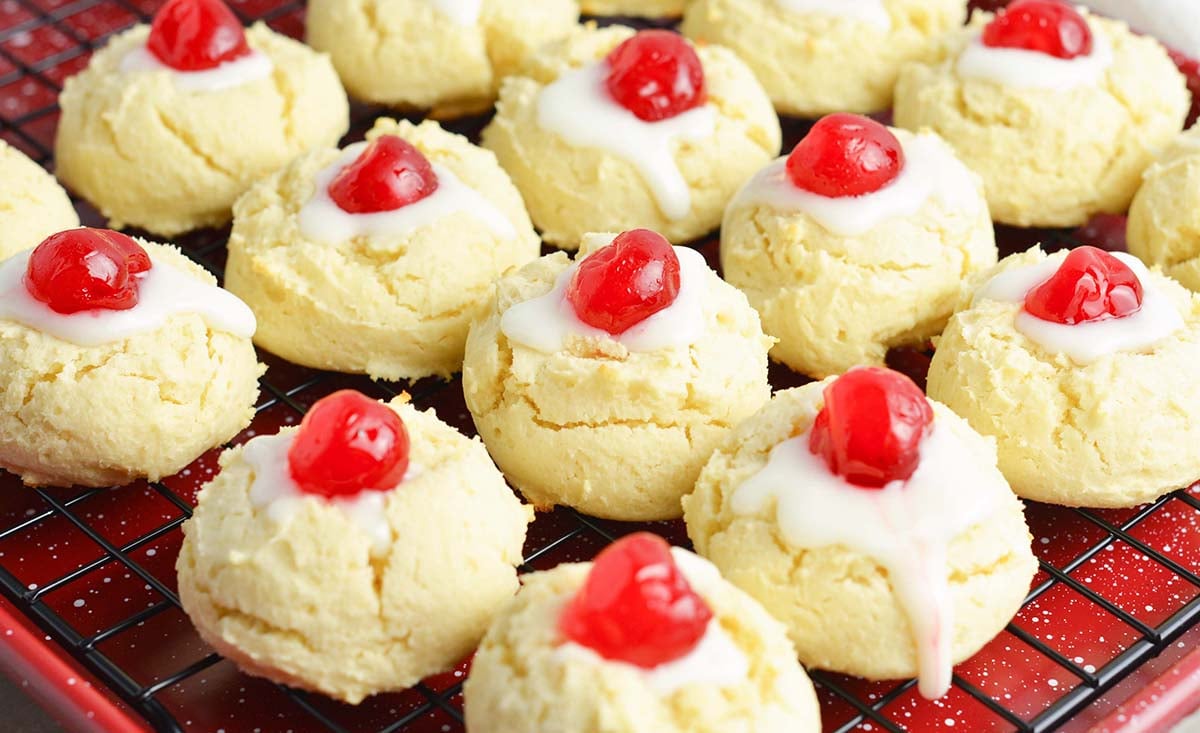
(252, 67)
(1175, 21)
(546, 322)
(274, 491)
(906, 526)
(322, 220)
(578, 108)
(462, 12)
(930, 171)
(1085, 343)
(1019, 68)
(866, 11)
(163, 291)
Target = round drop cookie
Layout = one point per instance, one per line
(612, 129)
(119, 359)
(1164, 220)
(32, 204)
(646, 639)
(445, 55)
(1009, 92)
(376, 258)
(603, 384)
(855, 243)
(872, 522)
(634, 8)
(815, 57)
(1085, 368)
(357, 554)
(170, 123)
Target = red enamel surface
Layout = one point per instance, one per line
(194, 35)
(389, 173)
(623, 284)
(86, 269)
(656, 75)
(1047, 26)
(1090, 285)
(845, 155)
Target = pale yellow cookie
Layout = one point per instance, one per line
(814, 63)
(571, 190)
(520, 681)
(152, 155)
(421, 54)
(635, 8)
(302, 599)
(32, 204)
(1040, 165)
(392, 307)
(1164, 220)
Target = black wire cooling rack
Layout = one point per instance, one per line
(1083, 554)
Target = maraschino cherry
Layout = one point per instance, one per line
(636, 606)
(656, 75)
(86, 269)
(845, 155)
(869, 432)
(348, 443)
(1090, 285)
(389, 174)
(194, 35)
(1047, 26)
(625, 283)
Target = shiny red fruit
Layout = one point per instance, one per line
(194, 35)
(1090, 285)
(388, 174)
(348, 443)
(86, 269)
(869, 432)
(636, 606)
(845, 155)
(1047, 26)
(623, 284)
(656, 75)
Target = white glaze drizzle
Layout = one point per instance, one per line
(872, 12)
(1085, 343)
(462, 12)
(578, 108)
(1022, 69)
(546, 322)
(906, 526)
(163, 291)
(322, 220)
(252, 67)
(930, 171)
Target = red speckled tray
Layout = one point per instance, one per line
(88, 586)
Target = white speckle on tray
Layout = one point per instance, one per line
(1052, 682)
(79, 603)
(151, 552)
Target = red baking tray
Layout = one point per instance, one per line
(91, 622)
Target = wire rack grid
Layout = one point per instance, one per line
(94, 568)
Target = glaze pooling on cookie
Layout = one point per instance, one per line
(872, 12)
(1021, 69)
(578, 108)
(1085, 343)
(250, 68)
(322, 220)
(906, 526)
(462, 12)
(546, 323)
(930, 171)
(163, 291)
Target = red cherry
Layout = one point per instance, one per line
(1190, 68)
(1048, 26)
(194, 35)
(86, 269)
(869, 431)
(625, 283)
(1090, 285)
(636, 606)
(656, 75)
(1106, 231)
(389, 173)
(845, 155)
(348, 443)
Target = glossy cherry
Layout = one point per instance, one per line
(389, 173)
(656, 75)
(636, 606)
(1090, 285)
(194, 35)
(623, 284)
(869, 432)
(1047, 26)
(86, 269)
(348, 443)
(845, 155)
